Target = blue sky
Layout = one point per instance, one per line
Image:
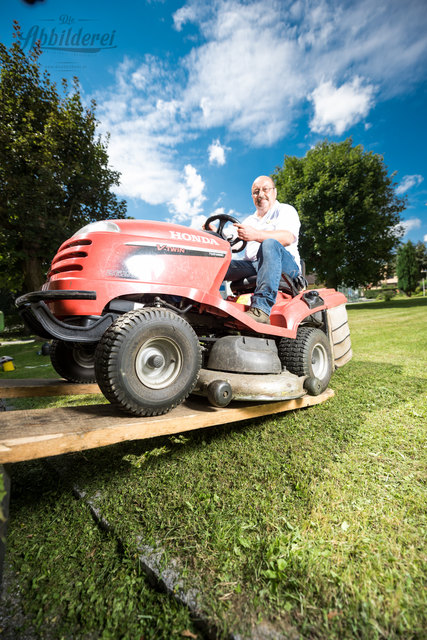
(200, 98)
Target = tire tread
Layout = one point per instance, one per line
(112, 341)
(295, 353)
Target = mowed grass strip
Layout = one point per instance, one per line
(312, 523)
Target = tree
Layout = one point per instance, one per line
(348, 208)
(407, 268)
(421, 257)
(54, 174)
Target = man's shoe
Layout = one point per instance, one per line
(258, 315)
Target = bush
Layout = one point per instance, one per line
(371, 294)
(386, 294)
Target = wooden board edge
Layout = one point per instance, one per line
(31, 448)
(47, 390)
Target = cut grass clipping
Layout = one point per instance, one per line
(306, 525)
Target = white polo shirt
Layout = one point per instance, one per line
(281, 217)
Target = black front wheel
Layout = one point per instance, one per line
(148, 361)
(309, 354)
(74, 362)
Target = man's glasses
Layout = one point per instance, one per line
(256, 192)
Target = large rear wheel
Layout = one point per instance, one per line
(148, 361)
(309, 354)
(74, 362)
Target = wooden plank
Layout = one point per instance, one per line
(27, 435)
(36, 387)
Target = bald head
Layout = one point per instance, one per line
(264, 180)
(263, 194)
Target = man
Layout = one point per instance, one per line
(272, 236)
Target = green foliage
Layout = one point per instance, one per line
(386, 294)
(54, 175)
(7, 305)
(407, 268)
(348, 209)
(371, 294)
(421, 257)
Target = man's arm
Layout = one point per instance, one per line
(248, 233)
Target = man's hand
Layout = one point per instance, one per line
(248, 233)
(211, 227)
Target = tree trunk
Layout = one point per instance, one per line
(331, 281)
(33, 274)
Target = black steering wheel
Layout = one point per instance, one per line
(236, 244)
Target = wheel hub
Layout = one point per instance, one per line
(319, 361)
(158, 362)
(83, 357)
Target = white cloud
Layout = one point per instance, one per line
(183, 15)
(198, 221)
(337, 109)
(217, 153)
(147, 170)
(190, 12)
(141, 114)
(408, 182)
(233, 77)
(187, 203)
(256, 64)
(425, 238)
(261, 60)
(409, 225)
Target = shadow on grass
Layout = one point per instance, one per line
(360, 387)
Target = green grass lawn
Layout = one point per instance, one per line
(310, 524)
(28, 362)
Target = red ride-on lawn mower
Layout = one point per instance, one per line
(137, 307)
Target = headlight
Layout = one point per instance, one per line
(101, 225)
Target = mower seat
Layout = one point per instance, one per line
(291, 286)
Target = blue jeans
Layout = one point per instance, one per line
(273, 259)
